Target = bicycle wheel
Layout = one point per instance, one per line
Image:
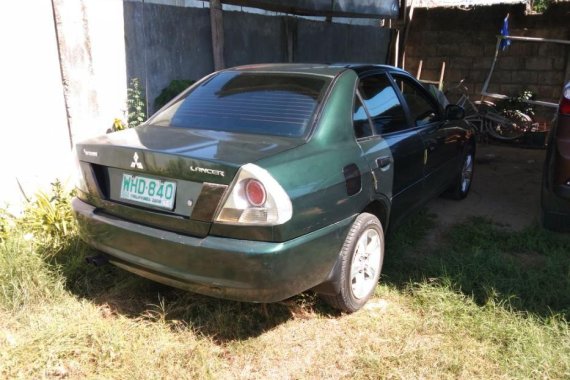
(510, 125)
(475, 123)
(487, 112)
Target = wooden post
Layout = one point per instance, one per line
(216, 22)
(567, 72)
(290, 26)
(420, 65)
(406, 32)
(396, 47)
(441, 75)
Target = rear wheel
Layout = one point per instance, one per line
(361, 260)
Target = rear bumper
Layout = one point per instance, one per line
(220, 267)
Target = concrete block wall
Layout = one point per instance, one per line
(466, 41)
(167, 42)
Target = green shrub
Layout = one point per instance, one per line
(7, 221)
(518, 103)
(168, 93)
(49, 218)
(541, 5)
(136, 103)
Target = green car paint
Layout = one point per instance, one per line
(329, 176)
(244, 270)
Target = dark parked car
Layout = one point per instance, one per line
(263, 181)
(556, 175)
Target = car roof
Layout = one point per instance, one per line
(327, 69)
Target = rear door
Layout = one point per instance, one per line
(393, 148)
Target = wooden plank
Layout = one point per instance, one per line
(217, 25)
(420, 65)
(441, 75)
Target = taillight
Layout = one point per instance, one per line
(255, 198)
(255, 192)
(564, 108)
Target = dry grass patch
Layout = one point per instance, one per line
(61, 319)
(78, 339)
(426, 332)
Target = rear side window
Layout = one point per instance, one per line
(360, 119)
(383, 104)
(243, 102)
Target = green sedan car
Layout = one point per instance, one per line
(260, 182)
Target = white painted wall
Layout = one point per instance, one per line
(92, 48)
(34, 141)
(35, 144)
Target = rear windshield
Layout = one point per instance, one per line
(260, 103)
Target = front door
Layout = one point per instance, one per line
(427, 116)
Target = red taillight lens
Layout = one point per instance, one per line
(564, 108)
(255, 192)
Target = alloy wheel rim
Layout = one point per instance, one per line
(466, 173)
(366, 263)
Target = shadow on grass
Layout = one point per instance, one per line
(528, 270)
(135, 297)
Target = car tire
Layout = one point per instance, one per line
(360, 262)
(462, 182)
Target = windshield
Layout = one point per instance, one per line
(245, 102)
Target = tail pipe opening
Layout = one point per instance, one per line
(97, 260)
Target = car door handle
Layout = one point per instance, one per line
(384, 161)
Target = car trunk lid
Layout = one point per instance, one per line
(168, 177)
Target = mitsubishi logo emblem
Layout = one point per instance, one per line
(136, 163)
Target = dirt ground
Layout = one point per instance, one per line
(505, 188)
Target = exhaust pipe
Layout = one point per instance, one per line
(97, 260)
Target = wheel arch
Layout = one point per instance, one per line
(377, 207)
(380, 209)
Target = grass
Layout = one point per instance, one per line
(477, 302)
(529, 270)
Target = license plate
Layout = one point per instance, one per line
(150, 191)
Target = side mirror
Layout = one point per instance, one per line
(454, 112)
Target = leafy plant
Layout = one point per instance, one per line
(6, 223)
(168, 93)
(136, 103)
(540, 5)
(49, 219)
(518, 103)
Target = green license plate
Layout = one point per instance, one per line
(150, 191)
